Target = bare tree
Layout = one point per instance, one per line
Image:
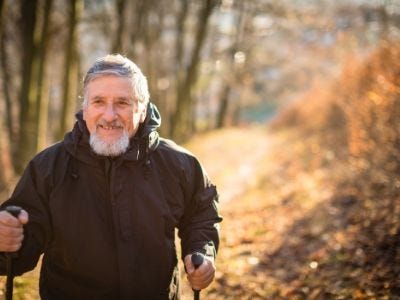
(6, 76)
(6, 173)
(137, 26)
(27, 135)
(1, 10)
(6, 166)
(121, 25)
(233, 75)
(151, 37)
(42, 97)
(71, 75)
(180, 32)
(181, 125)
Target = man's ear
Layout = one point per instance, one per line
(143, 108)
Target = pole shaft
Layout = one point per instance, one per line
(14, 210)
(196, 295)
(10, 277)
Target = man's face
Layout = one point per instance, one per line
(112, 109)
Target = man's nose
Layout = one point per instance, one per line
(109, 113)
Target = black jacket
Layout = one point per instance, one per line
(106, 225)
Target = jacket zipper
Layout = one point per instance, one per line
(109, 172)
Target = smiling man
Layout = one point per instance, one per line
(103, 204)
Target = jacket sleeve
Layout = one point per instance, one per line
(30, 194)
(199, 227)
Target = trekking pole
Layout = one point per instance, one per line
(13, 210)
(197, 260)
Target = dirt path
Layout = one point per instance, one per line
(236, 160)
(272, 209)
(232, 158)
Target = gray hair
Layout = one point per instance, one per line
(118, 65)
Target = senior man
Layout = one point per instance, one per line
(103, 204)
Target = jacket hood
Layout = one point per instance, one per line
(145, 140)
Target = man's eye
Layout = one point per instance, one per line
(123, 103)
(97, 101)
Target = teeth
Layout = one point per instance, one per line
(109, 127)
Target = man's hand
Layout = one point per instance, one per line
(201, 277)
(11, 230)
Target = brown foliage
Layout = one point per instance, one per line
(358, 116)
(357, 119)
(372, 108)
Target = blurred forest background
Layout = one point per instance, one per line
(301, 96)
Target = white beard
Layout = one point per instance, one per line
(116, 148)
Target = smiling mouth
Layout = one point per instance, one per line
(106, 127)
(109, 126)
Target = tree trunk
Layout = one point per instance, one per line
(179, 45)
(181, 122)
(27, 134)
(151, 38)
(179, 55)
(42, 83)
(6, 167)
(137, 26)
(1, 13)
(234, 78)
(117, 46)
(223, 107)
(6, 76)
(71, 75)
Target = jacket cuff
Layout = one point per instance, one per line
(207, 249)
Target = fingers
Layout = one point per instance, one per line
(10, 238)
(201, 277)
(188, 264)
(199, 283)
(11, 231)
(11, 244)
(23, 217)
(9, 220)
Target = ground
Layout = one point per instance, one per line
(263, 201)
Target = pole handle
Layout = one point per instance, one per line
(14, 210)
(197, 259)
